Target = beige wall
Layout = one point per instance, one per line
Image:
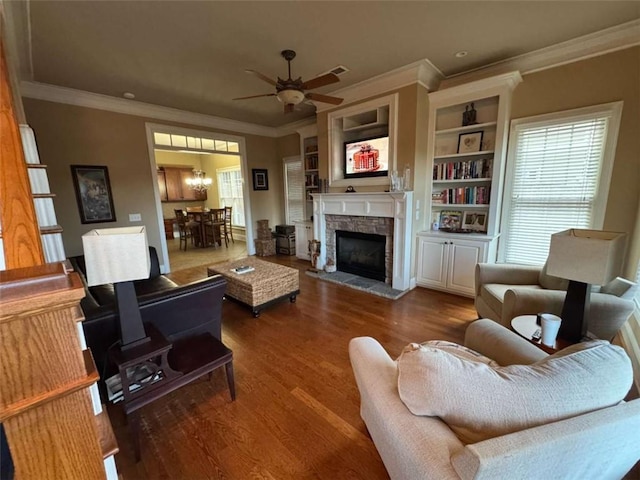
(602, 79)
(68, 135)
(289, 145)
(266, 204)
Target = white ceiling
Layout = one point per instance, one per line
(193, 55)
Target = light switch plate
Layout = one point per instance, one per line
(135, 217)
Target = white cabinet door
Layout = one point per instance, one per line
(449, 263)
(304, 231)
(432, 262)
(463, 257)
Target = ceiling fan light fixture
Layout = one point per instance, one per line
(290, 96)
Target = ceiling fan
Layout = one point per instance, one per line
(291, 92)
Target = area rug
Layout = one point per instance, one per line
(359, 283)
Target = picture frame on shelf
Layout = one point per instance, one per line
(470, 142)
(476, 221)
(260, 179)
(450, 220)
(93, 193)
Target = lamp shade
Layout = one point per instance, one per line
(116, 255)
(589, 256)
(290, 96)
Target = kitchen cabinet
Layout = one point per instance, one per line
(448, 262)
(172, 183)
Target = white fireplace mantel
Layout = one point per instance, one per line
(396, 205)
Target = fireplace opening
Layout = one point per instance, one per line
(362, 254)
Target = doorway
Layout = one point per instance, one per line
(223, 159)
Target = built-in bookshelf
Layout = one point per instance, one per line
(468, 128)
(309, 153)
(467, 139)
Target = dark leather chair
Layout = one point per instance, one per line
(177, 311)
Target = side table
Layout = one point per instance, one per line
(158, 367)
(526, 326)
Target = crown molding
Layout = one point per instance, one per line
(422, 72)
(79, 98)
(605, 41)
(294, 127)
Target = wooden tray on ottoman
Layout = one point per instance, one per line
(266, 284)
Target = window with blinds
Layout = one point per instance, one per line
(230, 193)
(558, 175)
(294, 190)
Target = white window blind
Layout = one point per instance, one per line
(554, 182)
(294, 190)
(230, 193)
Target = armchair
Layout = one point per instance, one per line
(598, 444)
(504, 291)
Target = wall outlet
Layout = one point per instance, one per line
(135, 217)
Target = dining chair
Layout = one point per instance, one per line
(228, 230)
(183, 228)
(215, 225)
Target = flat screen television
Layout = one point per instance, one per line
(366, 157)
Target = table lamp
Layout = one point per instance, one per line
(584, 257)
(119, 256)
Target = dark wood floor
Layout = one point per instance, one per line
(296, 415)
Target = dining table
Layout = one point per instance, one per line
(206, 226)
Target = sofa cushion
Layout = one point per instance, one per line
(459, 351)
(103, 294)
(550, 282)
(618, 287)
(480, 401)
(493, 294)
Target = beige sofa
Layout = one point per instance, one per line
(602, 444)
(504, 291)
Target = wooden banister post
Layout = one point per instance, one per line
(20, 231)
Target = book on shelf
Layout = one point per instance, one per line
(478, 195)
(243, 269)
(467, 170)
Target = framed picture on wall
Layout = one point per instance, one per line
(93, 193)
(260, 179)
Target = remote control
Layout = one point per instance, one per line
(536, 335)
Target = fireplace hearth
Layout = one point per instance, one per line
(362, 254)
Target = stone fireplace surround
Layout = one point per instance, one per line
(393, 209)
(378, 225)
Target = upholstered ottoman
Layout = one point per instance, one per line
(266, 284)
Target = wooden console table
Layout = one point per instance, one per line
(165, 367)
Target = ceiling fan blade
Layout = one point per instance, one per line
(256, 96)
(288, 107)
(321, 81)
(324, 98)
(262, 77)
